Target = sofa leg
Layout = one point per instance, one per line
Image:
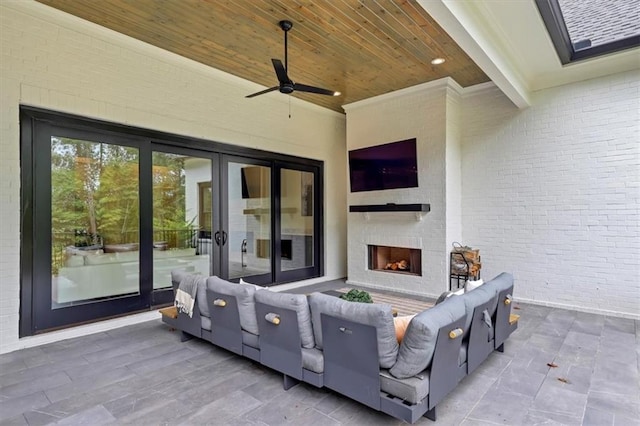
(185, 336)
(289, 382)
(431, 414)
(500, 348)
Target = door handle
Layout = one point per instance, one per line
(224, 238)
(216, 237)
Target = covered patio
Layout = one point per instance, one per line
(559, 367)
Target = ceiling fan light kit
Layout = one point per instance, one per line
(286, 85)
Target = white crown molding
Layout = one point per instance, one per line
(477, 89)
(431, 86)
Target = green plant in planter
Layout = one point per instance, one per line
(354, 295)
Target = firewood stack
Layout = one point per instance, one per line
(401, 265)
(465, 260)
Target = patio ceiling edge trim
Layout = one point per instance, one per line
(473, 38)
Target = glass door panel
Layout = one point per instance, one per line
(248, 236)
(182, 205)
(296, 219)
(95, 210)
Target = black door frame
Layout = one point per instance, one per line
(164, 296)
(36, 125)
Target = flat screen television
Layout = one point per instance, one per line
(389, 166)
(254, 181)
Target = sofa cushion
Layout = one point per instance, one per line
(295, 302)
(474, 298)
(250, 339)
(244, 296)
(205, 323)
(462, 355)
(377, 315)
(313, 360)
(498, 284)
(178, 275)
(413, 390)
(418, 345)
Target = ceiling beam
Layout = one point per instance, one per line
(474, 37)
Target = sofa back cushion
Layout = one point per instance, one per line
(419, 343)
(474, 298)
(244, 295)
(377, 315)
(498, 284)
(295, 302)
(178, 275)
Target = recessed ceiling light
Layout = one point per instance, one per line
(438, 61)
(336, 93)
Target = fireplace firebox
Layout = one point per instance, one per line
(401, 260)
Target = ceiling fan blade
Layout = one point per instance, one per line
(262, 92)
(311, 89)
(281, 72)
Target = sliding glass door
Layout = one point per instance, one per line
(247, 220)
(109, 211)
(94, 217)
(299, 226)
(184, 214)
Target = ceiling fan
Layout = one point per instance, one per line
(286, 85)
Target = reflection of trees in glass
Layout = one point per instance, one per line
(94, 190)
(168, 191)
(170, 224)
(95, 196)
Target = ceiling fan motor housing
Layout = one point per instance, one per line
(286, 88)
(285, 25)
(286, 85)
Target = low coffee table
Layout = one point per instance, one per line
(336, 293)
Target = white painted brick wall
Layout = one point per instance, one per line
(552, 193)
(56, 61)
(421, 112)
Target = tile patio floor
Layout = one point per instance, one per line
(144, 375)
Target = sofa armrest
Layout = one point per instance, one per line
(351, 364)
(444, 376)
(504, 326)
(481, 336)
(225, 321)
(280, 344)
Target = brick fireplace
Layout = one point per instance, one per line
(431, 114)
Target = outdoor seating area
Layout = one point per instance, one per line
(320, 213)
(558, 367)
(350, 347)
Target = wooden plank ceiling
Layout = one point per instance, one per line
(361, 48)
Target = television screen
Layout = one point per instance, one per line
(254, 181)
(389, 166)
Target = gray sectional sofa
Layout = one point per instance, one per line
(351, 347)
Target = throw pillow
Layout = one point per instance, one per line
(401, 324)
(470, 285)
(256, 286)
